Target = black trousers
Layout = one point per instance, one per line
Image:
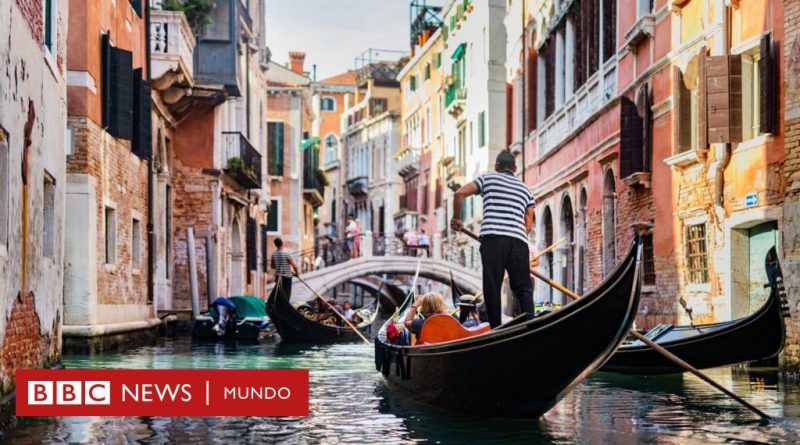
(285, 284)
(502, 254)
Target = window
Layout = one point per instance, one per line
(427, 72)
(481, 129)
(751, 94)
(264, 261)
(117, 90)
(327, 103)
(377, 106)
(49, 215)
(275, 148)
(136, 244)
(437, 60)
(50, 25)
(273, 216)
(331, 148)
(413, 83)
(111, 235)
(643, 7)
(688, 112)
(696, 254)
(4, 185)
(649, 260)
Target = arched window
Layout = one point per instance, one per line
(609, 223)
(567, 230)
(328, 104)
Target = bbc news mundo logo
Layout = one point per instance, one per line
(170, 392)
(69, 392)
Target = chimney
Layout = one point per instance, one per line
(296, 59)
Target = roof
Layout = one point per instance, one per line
(279, 75)
(346, 78)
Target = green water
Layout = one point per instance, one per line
(349, 403)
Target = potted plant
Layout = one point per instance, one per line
(197, 12)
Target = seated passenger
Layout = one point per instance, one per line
(468, 311)
(428, 305)
(348, 313)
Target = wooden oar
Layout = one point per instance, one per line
(334, 310)
(552, 247)
(656, 347)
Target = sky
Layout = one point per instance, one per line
(333, 32)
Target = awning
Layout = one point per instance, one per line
(310, 142)
(458, 52)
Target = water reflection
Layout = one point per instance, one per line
(350, 403)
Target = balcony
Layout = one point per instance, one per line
(314, 180)
(358, 186)
(172, 44)
(407, 161)
(217, 59)
(455, 100)
(454, 172)
(243, 162)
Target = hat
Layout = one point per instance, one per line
(468, 300)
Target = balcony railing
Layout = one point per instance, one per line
(171, 43)
(243, 162)
(313, 177)
(454, 99)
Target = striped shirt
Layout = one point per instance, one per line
(506, 199)
(280, 262)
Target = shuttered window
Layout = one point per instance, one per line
(252, 252)
(481, 129)
(117, 83)
(275, 148)
(609, 29)
(631, 140)
(273, 216)
(264, 246)
(723, 99)
(141, 138)
(768, 89)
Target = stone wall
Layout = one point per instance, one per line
(32, 144)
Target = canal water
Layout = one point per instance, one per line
(349, 403)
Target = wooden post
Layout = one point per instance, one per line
(211, 276)
(192, 273)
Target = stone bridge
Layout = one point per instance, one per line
(435, 269)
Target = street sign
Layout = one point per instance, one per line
(751, 200)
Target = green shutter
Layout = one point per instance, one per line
(413, 83)
(272, 216)
(481, 129)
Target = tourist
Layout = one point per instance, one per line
(468, 311)
(357, 238)
(507, 221)
(428, 305)
(424, 242)
(350, 234)
(284, 267)
(348, 313)
(410, 241)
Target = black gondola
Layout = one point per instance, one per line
(295, 327)
(522, 368)
(756, 337)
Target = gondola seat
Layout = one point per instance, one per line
(441, 328)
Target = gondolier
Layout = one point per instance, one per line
(284, 267)
(507, 219)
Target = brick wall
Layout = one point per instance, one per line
(122, 184)
(24, 346)
(33, 15)
(791, 236)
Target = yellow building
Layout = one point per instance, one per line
(421, 155)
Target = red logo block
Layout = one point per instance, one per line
(170, 392)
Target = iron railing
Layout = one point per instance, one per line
(243, 161)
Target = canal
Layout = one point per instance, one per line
(349, 403)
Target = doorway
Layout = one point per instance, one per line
(749, 249)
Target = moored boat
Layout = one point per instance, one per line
(524, 367)
(294, 326)
(239, 317)
(758, 336)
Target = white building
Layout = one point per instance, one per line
(475, 102)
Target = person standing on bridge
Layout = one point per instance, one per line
(507, 219)
(284, 267)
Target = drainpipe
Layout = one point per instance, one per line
(524, 122)
(151, 236)
(722, 155)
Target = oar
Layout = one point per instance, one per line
(656, 347)
(334, 310)
(552, 247)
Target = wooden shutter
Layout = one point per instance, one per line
(141, 142)
(264, 262)
(137, 6)
(702, 109)
(768, 90)
(631, 141)
(252, 258)
(724, 99)
(735, 97)
(117, 90)
(531, 92)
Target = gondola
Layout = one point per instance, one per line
(756, 337)
(296, 328)
(524, 367)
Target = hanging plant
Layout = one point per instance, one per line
(197, 12)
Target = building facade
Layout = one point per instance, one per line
(106, 286)
(33, 116)
(474, 124)
(419, 160)
(329, 101)
(296, 188)
(371, 137)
